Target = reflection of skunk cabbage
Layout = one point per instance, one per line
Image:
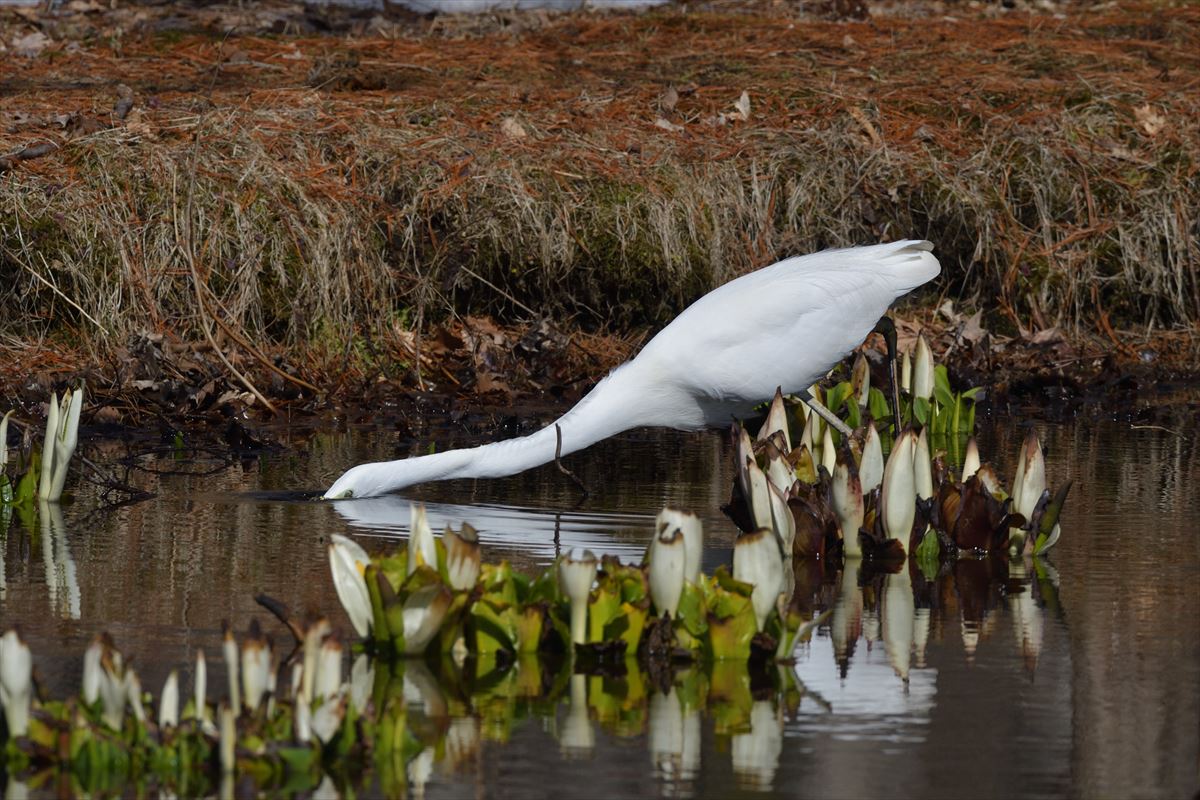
(674, 735)
(755, 752)
(16, 682)
(396, 718)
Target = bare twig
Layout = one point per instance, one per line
(282, 613)
(250, 348)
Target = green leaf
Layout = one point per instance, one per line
(395, 568)
(626, 626)
(797, 627)
(927, 554)
(877, 404)
(725, 581)
(731, 626)
(692, 613)
(603, 608)
(27, 486)
(529, 624)
(379, 623)
(497, 580)
(836, 397)
(493, 626)
(543, 589)
(1054, 509)
(941, 386)
(853, 416)
(972, 393)
(921, 410)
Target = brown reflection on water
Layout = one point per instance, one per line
(1132, 587)
(1099, 695)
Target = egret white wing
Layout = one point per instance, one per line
(787, 324)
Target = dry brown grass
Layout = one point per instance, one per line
(372, 184)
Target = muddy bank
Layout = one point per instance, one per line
(502, 381)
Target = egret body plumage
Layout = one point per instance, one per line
(781, 326)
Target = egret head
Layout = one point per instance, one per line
(365, 480)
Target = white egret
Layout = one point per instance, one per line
(783, 326)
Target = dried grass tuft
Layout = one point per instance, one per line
(1060, 186)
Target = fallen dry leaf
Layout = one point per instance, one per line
(742, 108)
(860, 117)
(124, 101)
(669, 99)
(30, 45)
(973, 330)
(1048, 336)
(489, 382)
(513, 129)
(1149, 119)
(666, 124)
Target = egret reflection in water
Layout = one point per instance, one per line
(538, 533)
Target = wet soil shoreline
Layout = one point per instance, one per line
(496, 391)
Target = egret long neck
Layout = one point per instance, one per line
(614, 405)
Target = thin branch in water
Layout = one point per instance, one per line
(282, 613)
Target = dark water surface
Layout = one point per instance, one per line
(1079, 676)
